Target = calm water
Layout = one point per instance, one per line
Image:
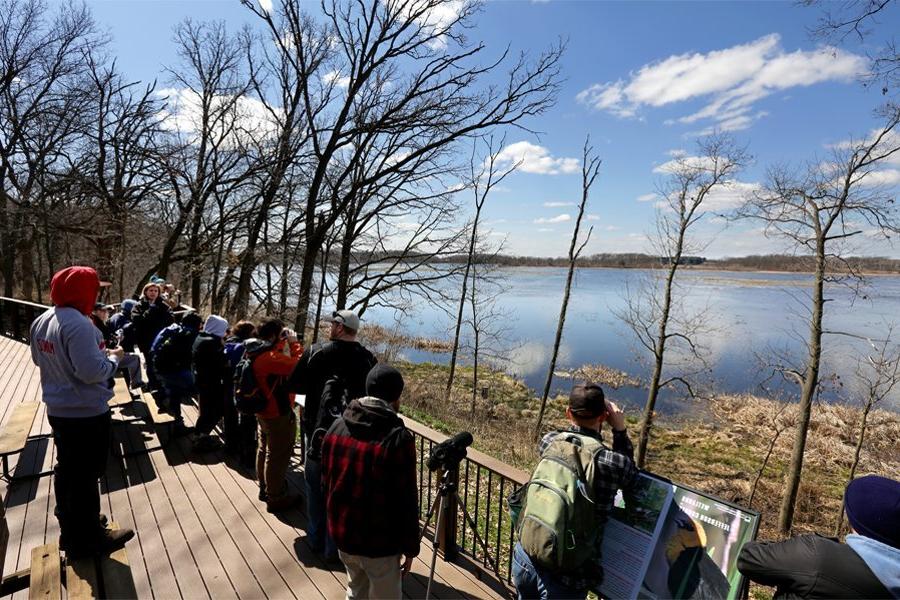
(747, 318)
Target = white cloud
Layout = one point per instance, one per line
(545, 229)
(557, 219)
(647, 197)
(536, 159)
(593, 217)
(882, 178)
(335, 78)
(558, 204)
(683, 163)
(729, 80)
(244, 116)
(266, 5)
(434, 22)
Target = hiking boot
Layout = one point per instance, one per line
(108, 541)
(179, 429)
(205, 443)
(282, 503)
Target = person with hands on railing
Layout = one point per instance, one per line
(75, 369)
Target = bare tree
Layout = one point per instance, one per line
(855, 18)
(820, 209)
(484, 175)
(590, 169)
(42, 106)
(390, 69)
(686, 196)
(878, 375)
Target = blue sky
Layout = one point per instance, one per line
(643, 79)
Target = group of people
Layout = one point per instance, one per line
(360, 464)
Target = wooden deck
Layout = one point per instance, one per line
(201, 532)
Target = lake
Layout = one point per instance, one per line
(747, 319)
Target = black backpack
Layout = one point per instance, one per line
(249, 397)
(334, 400)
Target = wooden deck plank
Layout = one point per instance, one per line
(118, 581)
(120, 509)
(81, 579)
(160, 574)
(45, 573)
(231, 552)
(200, 529)
(18, 427)
(210, 568)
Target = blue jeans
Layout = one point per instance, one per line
(316, 527)
(533, 582)
(178, 385)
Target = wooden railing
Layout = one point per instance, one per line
(16, 317)
(484, 484)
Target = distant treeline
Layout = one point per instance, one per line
(767, 262)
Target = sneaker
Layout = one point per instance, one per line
(205, 443)
(263, 496)
(283, 503)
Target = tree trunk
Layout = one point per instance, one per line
(321, 296)
(856, 454)
(556, 342)
(659, 357)
(462, 301)
(195, 261)
(810, 384)
(343, 280)
(303, 299)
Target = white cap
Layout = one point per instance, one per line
(347, 318)
(215, 325)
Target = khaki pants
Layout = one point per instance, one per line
(372, 578)
(276, 444)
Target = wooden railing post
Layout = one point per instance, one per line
(446, 523)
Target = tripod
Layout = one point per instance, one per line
(448, 489)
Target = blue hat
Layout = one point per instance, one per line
(157, 279)
(873, 508)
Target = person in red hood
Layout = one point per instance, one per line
(75, 369)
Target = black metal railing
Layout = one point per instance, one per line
(16, 317)
(483, 485)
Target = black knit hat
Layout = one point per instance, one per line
(384, 382)
(873, 508)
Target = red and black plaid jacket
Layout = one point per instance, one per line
(369, 477)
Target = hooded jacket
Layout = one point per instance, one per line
(69, 350)
(369, 474)
(122, 320)
(271, 369)
(148, 319)
(209, 363)
(882, 560)
(812, 566)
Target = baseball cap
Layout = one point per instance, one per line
(587, 400)
(345, 317)
(101, 306)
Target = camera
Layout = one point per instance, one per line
(448, 454)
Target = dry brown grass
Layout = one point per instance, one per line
(600, 374)
(719, 455)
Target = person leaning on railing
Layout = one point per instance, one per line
(814, 566)
(75, 373)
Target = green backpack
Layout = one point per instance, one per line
(557, 525)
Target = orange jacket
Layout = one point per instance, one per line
(271, 369)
